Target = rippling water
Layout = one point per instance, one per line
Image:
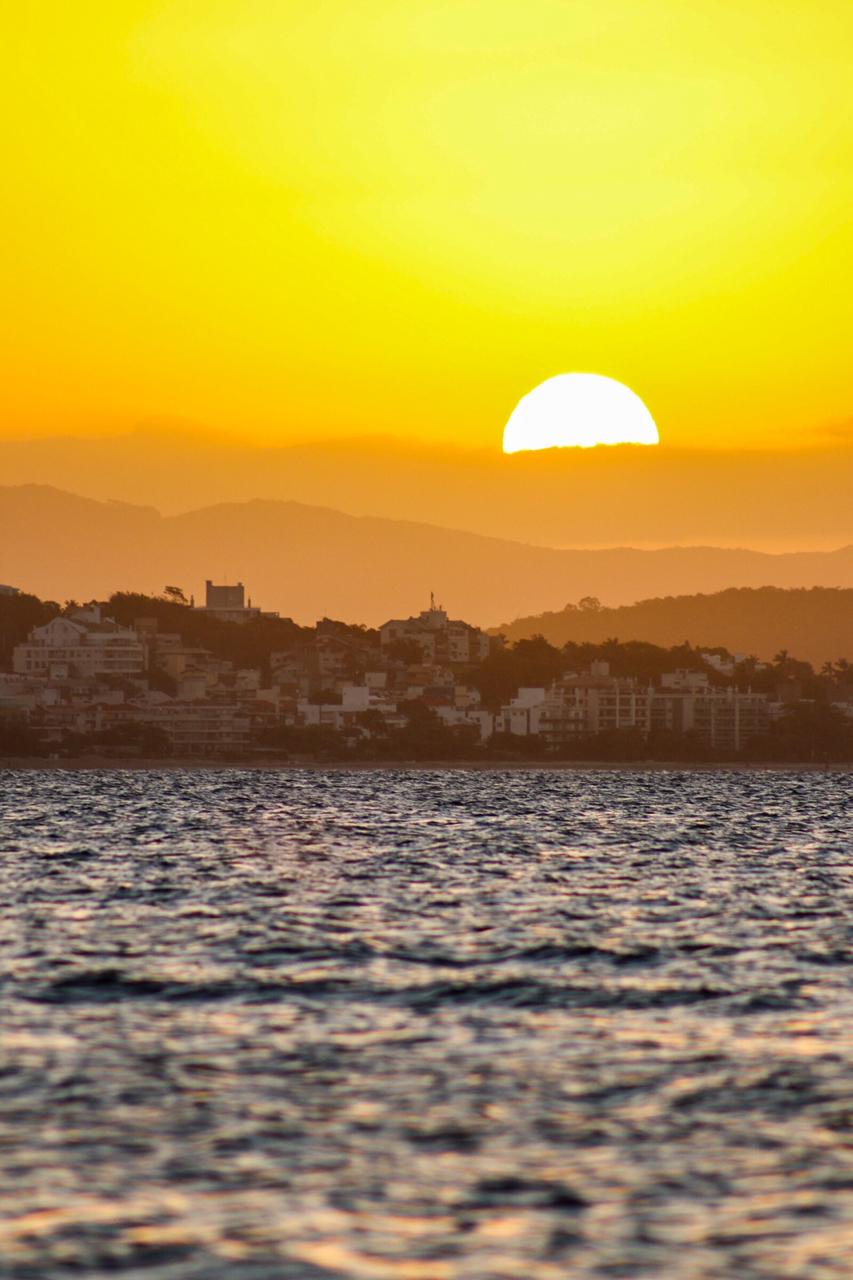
(426, 1025)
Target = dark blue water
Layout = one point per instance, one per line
(426, 1025)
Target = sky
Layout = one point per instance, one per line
(289, 222)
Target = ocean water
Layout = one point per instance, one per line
(430, 1025)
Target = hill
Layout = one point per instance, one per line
(309, 562)
(815, 624)
(776, 500)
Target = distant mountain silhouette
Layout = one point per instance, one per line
(816, 624)
(558, 498)
(309, 562)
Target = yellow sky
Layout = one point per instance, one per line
(292, 220)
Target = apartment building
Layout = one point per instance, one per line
(596, 703)
(199, 728)
(686, 703)
(438, 637)
(723, 718)
(82, 644)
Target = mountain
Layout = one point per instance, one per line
(308, 562)
(815, 624)
(625, 495)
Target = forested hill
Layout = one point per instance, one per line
(815, 624)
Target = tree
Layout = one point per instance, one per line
(18, 615)
(814, 731)
(373, 721)
(426, 737)
(531, 663)
(408, 651)
(18, 739)
(175, 594)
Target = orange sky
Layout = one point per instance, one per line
(289, 221)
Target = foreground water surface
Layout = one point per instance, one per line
(426, 1025)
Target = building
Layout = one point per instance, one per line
(456, 718)
(199, 728)
(723, 719)
(178, 661)
(727, 666)
(523, 714)
(81, 644)
(228, 603)
(580, 706)
(686, 703)
(438, 637)
(19, 695)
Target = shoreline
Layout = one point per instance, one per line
(83, 764)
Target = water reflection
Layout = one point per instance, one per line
(426, 1024)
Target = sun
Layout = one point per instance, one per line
(580, 410)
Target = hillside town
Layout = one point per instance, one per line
(158, 676)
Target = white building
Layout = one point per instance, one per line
(728, 666)
(355, 700)
(600, 703)
(20, 693)
(523, 715)
(439, 638)
(583, 706)
(456, 718)
(725, 719)
(196, 727)
(83, 644)
(681, 679)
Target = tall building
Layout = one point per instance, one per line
(228, 603)
(225, 597)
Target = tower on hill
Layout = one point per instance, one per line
(228, 603)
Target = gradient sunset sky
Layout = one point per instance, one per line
(294, 221)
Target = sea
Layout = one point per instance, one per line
(426, 1024)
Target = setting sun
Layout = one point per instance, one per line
(206, 203)
(580, 410)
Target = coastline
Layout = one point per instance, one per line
(87, 763)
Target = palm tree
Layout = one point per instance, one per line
(843, 671)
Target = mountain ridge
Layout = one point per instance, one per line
(556, 498)
(308, 562)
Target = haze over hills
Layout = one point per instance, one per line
(816, 624)
(308, 562)
(625, 495)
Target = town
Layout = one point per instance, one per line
(164, 677)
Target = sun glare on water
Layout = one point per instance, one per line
(580, 410)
